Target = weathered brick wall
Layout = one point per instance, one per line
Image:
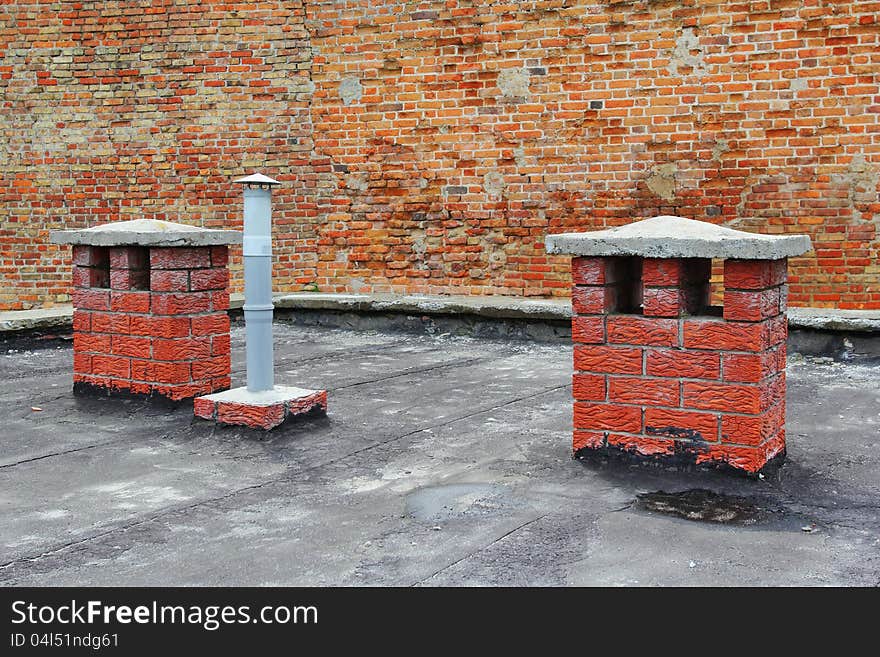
(429, 146)
(126, 109)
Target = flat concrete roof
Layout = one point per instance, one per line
(442, 461)
(677, 237)
(146, 232)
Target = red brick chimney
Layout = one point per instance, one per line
(150, 302)
(661, 374)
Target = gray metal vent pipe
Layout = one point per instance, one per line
(257, 251)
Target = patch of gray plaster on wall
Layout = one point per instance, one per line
(688, 53)
(661, 181)
(493, 183)
(357, 181)
(861, 180)
(721, 146)
(513, 83)
(350, 90)
(419, 247)
(357, 285)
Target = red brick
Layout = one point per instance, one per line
(750, 459)
(752, 429)
(160, 327)
(221, 383)
(140, 388)
(587, 440)
(130, 302)
(128, 257)
(588, 330)
(82, 363)
(773, 391)
(637, 390)
(588, 271)
(83, 342)
(258, 417)
(169, 280)
(778, 330)
(124, 279)
(774, 445)
(304, 404)
(86, 277)
(642, 445)
(220, 345)
(91, 299)
(181, 391)
(182, 348)
(99, 381)
(754, 274)
(680, 424)
(82, 320)
(592, 300)
(663, 302)
(662, 272)
(113, 366)
(219, 256)
(609, 417)
(603, 271)
(126, 345)
(210, 324)
(110, 323)
(590, 387)
(118, 384)
(751, 305)
(749, 368)
(180, 304)
(159, 372)
(204, 408)
(611, 360)
(722, 335)
(208, 368)
(738, 398)
(209, 279)
(684, 364)
(90, 256)
(780, 352)
(220, 300)
(631, 329)
(180, 258)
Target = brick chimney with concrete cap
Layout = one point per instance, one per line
(659, 373)
(150, 302)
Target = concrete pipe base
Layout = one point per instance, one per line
(259, 410)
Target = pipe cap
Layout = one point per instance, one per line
(258, 179)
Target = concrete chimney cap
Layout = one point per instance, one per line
(676, 237)
(146, 232)
(258, 179)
